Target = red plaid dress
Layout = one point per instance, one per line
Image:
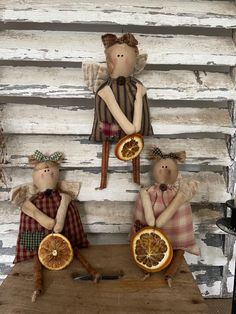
(31, 232)
(179, 229)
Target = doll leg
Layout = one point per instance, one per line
(38, 278)
(105, 159)
(177, 260)
(136, 170)
(91, 271)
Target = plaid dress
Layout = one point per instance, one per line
(105, 126)
(31, 232)
(179, 229)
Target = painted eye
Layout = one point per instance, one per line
(118, 56)
(162, 167)
(122, 55)
(45, 170)
(48, 170)
(166, 166)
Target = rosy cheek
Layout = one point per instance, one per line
(52, 174)
(42, 175)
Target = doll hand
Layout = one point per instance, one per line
(58, 227)
(49, 223)
(141, 90)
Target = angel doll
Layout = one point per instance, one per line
(121, 106)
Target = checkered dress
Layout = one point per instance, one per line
(179, 229)
(31, 232)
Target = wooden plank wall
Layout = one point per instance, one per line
(190, 78)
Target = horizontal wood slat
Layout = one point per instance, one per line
(30, 45)
(212, 185)
(152, 13)
(114, 217)
(80, 152)
(78, 120)
(58, 82)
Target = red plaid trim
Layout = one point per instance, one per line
(109, 129)
(73, 228)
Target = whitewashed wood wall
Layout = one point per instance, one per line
(190, 79)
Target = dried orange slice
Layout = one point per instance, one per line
(151, 249)
(55, 251)
(129, 147)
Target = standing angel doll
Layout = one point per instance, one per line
(121, 106)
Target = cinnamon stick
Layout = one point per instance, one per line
(176, 262)
(136, 169)
(105, 159)
(91, 271)
(38, 278)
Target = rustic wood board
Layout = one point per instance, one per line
(80, 152)
(78, 119)
(58, 82)
(28, 45)
(126, 295)
(212, 186)
(154, 13)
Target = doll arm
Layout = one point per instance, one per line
(147, 207)
(107, 95)
(185, 193)
(138, 107)
(32, 211)
(61, 212)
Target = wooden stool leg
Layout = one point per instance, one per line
(105, 159)
(136, 170)
(91, 271)
(176, 262)
(38, 278)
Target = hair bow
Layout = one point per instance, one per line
(157, 153)
(41, 157)
(111, 39)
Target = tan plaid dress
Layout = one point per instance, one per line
(124, 89)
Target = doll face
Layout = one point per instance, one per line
(121, 60)
(165, 171)
(46, 177)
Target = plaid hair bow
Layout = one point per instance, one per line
(156, 152)
(111, 39)
(41, 157)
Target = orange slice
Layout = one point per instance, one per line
(55, 252)
(151, 249)
(129, 147)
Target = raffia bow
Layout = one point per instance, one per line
(41, 157)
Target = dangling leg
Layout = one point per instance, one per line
(38, 278)
(91, 271)
(105, 159)
(136, 170)
(176, 262)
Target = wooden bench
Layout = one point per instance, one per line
(128, 294)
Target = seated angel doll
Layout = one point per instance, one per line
(165, 205)
(46, 206)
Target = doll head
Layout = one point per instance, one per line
(121, 54)
(165, 166)
(46, 170)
